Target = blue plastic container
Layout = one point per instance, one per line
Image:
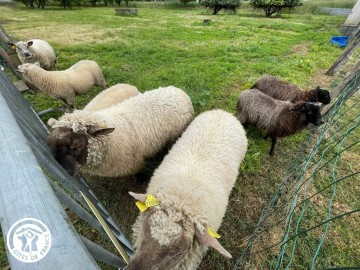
(341, 41)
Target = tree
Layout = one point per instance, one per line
(273, 6)
(217, 5)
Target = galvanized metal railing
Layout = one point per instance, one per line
(30, 202)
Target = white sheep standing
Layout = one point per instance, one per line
(116, 141)
(35, 50)
(111, 96)
(107, 98)
(192, 186)
(66, 84)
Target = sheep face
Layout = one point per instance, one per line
(312, 112)
(22, 48)
(68, 148)
(25, 69)
(323, 96)
(166, 237)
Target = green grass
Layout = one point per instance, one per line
(213, 63)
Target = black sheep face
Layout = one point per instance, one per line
(323, 95)
(313, 115)
(68, 148)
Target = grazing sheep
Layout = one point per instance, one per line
(107, 98)
(278, 118)
(192, 186)
(111, 96)
(35, 50)
(66, 84)
(116, 141)
(282, 90)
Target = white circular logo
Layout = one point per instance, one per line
(29, 240)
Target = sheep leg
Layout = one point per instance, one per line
(69, 105)
(273, 142)
(266, 137)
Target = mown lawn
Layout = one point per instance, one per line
(212, 62)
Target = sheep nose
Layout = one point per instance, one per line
(27, 55)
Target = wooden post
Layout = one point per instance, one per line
(352, 20)
(355, 41)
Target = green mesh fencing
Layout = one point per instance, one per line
(312, 220)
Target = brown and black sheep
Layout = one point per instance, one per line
(277, 118)
(281, 90)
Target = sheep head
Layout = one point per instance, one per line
(70, 148)
(22, 48)
(312, 112)
(23, 68)
(166, 235)
(322, 95)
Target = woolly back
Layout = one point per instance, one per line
(111, 96)
(201, 168)
(279, 89)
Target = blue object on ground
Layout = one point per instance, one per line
(341, 41)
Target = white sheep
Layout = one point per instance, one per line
(191, 186)
(66, 84)
(111, 96)
(35, 50)
(107, 98)
(116, 141)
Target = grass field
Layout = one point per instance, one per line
(212, 62)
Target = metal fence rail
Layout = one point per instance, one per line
(22, 191)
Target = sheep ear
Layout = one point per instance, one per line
(11, 44)
(30, 43)
(138, 196)
(95, 131)
(208, 240)
(318, 88)
(51, 122)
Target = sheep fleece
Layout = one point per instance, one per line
(143, 124)
(111, 96)
(282, 90)
(76, 80)
(198, 174)
(274, 116)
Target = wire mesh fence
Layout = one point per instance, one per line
(307, 222)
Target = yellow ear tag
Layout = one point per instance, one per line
(13, 46)
(151, 201)
(142, 206)
(213, 233)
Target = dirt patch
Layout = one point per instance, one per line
(70, 35)
(321, 79)
(301, 49)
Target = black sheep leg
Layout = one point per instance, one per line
(273, 142)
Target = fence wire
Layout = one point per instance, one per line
(312, 220)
